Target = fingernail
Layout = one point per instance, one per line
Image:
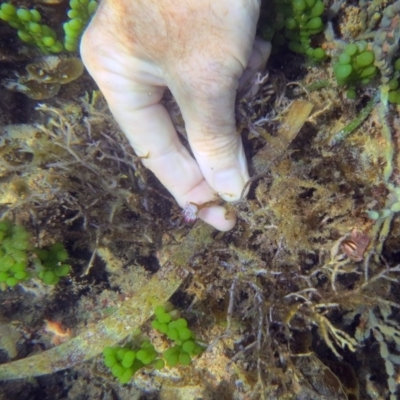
(229, 184)
(218, 217)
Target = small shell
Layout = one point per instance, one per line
(190, 212)
(355, 246)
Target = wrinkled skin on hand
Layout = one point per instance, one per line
(199, 50)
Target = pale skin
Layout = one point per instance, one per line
(199, 49)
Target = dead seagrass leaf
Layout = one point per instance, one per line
(297, 115)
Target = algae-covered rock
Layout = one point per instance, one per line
(45, 77)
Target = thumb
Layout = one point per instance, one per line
(207, 103)
(206, 98)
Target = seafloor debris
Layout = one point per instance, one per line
(45, 77)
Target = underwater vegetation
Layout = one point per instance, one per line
(30, 29)
(300, 301)
(16, 255)
(125, 361)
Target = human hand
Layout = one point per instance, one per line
(199, 50)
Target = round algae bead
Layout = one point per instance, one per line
(20, 244)
(393, 84)
(62, 255)
(50, 278)
(6, 263)
(8, 18)
(58, 47)
(24, 36)
(3, 276)
(368, 72)
(185, 333)
(171, 357)
(35, 15)
(184, 358)
(159, 310)
(34, 27)
(290, 23)
(318, 9)
(108, 351)
(20, 256)
(394, 97)
(56, 247)
(374, 215)
(188, 346)
(314, 23)
(117, 370)
(181, 323)
(47, 31)
(20, 275)
(48, 41)
(8, 9)
(110, 361)
(70, 40)
(24, 14)
(343, 71)
(362, 45)
(121, 353)
(365, 59)
(351, 49)
(144, 356)
(173, 334)
(344, 58)
(159, 364)
(197, 350)
(62, 270)
(299, 5)
(17, 267)
(164, 318)
(71, 46)
(319, 54)
(75, 24)
(75, 4)
(395, 207)
(73, 14)
(126, 376)
(128, 359)
(11, 281)
(92, 7)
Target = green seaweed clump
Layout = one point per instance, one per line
(80, 13)
(29, 28)
(124, 362)
(177, 330)
(31, 31)
(355, 65)
(394, 85)
(14, 254)
(295, 22)
(49, 263)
